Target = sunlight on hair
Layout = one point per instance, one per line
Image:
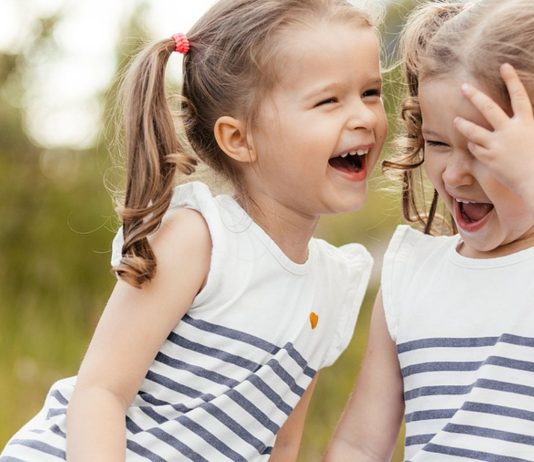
(376, 9)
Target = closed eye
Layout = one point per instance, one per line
(325, 101)
(435, 143)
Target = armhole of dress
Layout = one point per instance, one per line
(358, 282)
(389, 276)
(201, 200)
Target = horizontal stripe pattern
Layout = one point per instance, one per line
(225, 403)
(250, 399)
(41, 449)
(471, 454)
(469, 398)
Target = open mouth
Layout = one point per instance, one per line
(471, 215)
(350, 162)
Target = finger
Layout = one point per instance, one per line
(491, 111)
(478, 151)
(473, 132)
(519, 98)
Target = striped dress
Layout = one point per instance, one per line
(233, 369)
(464, 330)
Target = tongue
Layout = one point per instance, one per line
(476, 211)
(348, 164)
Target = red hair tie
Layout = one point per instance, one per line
(181, 42)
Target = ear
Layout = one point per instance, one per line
(232, 137)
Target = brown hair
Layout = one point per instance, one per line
(441, 37)
(233, 61)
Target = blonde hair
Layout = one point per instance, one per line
(440, 38)
(232, 63)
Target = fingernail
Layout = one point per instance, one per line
(466, 87)
(506, 67)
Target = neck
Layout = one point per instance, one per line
(290, 229)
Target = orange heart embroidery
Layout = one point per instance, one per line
(314, 319)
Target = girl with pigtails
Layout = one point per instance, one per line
(226, 307)
(451, 343)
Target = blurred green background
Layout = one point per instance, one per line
(57, 222)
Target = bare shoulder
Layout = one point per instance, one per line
(182, 247)
(182, 241)
(183, 224)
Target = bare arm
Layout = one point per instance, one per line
(129, 334)
(286, 448)
(371, 420)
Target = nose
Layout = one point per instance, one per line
(457, 170)
(361, 116)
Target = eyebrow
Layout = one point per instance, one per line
(320, 90)
(377, 81)
(427, 132)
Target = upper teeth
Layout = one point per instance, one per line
(359, 152)
(465, 202)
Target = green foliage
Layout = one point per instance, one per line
(54, 246)
(55, 237)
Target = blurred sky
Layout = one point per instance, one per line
(60, 104)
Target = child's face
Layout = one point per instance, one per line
(327, 104)
(491, 219)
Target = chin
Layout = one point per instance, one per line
(353, 206)
(481, 246)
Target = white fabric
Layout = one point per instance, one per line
(464, 330)
(233, 369)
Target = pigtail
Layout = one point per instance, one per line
(154, 154)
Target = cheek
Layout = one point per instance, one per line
(511, 208)
(382, 118)
(381, 126)
(433, 170)
(434, 173)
